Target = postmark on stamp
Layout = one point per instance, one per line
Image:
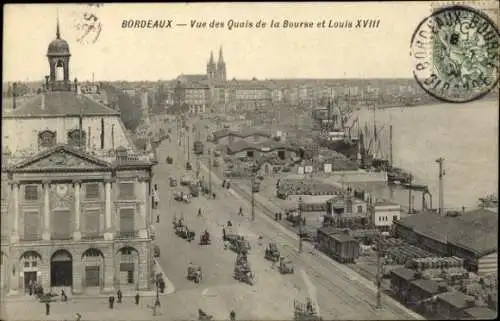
(88, 26)
(455, 54)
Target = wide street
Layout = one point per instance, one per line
(339, 291)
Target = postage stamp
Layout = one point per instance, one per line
(455, 54)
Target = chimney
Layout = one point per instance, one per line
(14, 89)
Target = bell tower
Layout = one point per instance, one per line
(58, 56)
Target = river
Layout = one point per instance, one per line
(465, 135)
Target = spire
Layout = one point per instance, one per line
(221, 59)
(211, 62)
(58, 32)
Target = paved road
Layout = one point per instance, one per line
(341, 293)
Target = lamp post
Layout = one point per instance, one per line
(299, 219)
(254, 171)
(441, 192)
(210, 172)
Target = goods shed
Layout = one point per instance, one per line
(339, 246)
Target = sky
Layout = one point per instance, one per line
(152, 54)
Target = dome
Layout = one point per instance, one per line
(58, 47)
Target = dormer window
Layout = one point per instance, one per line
(47, 138)
(76, 138)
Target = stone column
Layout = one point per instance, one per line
(108, 234)
(144, 202)
(15, 199)
(77, 235)
(46, 211)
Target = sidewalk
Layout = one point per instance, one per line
(169, 288)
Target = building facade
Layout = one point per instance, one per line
(76, 193)
(384, 214)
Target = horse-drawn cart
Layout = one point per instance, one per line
(185, 233)
(272, 253)
(243, 273)
(194, 273)
(205, 238)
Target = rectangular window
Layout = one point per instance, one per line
(92, 223)
(130, 277)
(31, 192)
(92, 191)
(127, 190)
(31, 225)
(127, 222)
(61, 225)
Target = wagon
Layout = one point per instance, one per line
(194, 273)
(286, 266)
(272, 253)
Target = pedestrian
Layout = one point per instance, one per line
(228, 185)
(157, 218)
(78, 316)
(47, 308)
(64, 298)
(119, 296)
(199, 212)
(111, 301)
(213, 194)
(232, 315)
(137, 299)
(30, 287)
(223, 183)
(276, 216)
(279, 216)
(156, 187)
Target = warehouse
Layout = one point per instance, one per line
(340, 246)
(472, 236)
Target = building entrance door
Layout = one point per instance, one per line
(61, 269)
(29, 276)
(92, 278)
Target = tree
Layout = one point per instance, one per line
(130, 112)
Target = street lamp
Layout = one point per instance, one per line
(441, 192)
(299, 218)
(157, 299)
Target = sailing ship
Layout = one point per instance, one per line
(335, 129)
(375, 156)
(489, 201)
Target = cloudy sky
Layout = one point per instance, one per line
(152, 54)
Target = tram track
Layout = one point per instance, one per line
(323, 269)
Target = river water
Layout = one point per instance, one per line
(465, 135)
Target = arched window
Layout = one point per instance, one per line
(76, 138)
(59, 70)
(47, 138)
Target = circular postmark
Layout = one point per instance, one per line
(88, 27)
(455, 54)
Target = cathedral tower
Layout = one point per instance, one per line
(211, 68)
(221, 67)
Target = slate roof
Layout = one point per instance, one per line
(477, 231)
(482, 313)
(429, 286)
(59, 104)
(455, 299)
(404, 273)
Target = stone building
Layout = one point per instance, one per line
(76, 193)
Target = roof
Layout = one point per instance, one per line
(343, 237)
(455, 299)
(385, 203)
(330, 230)
(61, 104)
(429, 286)
(404, 273)
(482, 313)
(476, 231)
(193, 78)
(244, 132)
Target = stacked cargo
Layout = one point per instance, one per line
(406, 252)
(435, 263)
(304, 187)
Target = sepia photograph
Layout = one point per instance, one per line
(297, 161)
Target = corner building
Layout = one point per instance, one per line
(76, 193)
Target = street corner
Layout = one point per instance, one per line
(169, 286)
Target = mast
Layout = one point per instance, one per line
(390, 146)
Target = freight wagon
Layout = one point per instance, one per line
(341, 247)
